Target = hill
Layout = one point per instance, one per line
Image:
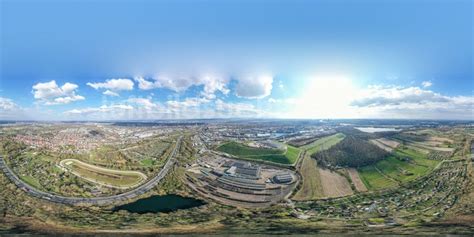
(350, 152)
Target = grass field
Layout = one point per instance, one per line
(323, 143)
(404, 165)
(30, 180)
(287, 157)
(373, 179)
(312, 187)
(107, 177)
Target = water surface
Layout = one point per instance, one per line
(155, 204)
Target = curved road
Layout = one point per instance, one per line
(94, 200)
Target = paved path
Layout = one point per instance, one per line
(94, 200)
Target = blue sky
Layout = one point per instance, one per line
(94, 60)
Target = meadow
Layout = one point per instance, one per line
(285, 157)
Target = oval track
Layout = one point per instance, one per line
(94, 200)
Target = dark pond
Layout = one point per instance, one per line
(155, 204)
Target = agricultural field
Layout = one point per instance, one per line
(429, 141)
(402, 166)
(334, 184)
(373, 179)
(103, 176)
(285, 157)
(312, 187)
(323, 143)
(356, 180)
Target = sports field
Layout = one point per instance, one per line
(103, 176)
(286, 157)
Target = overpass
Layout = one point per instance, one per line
(93, 200)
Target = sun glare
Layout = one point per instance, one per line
(326, 96)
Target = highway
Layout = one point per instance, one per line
(94, 200)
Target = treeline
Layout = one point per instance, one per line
(350, 152)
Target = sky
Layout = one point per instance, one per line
(177, 59)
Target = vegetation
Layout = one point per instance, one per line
(286, 157)
(402, 166)
(350, 152)
(103, 176)
(311, 187)
(323, 143)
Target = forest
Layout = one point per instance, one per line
(350, 152)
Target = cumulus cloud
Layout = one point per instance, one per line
(211, 83)
(145, 103)
(50, 93)
(7, 104)
(426, 84)
(254, 87)
(413, 102)
(112, 86)
(380, 96)
(110, 93)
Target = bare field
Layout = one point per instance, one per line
(334, 184)
(354, 174)
(388, 142)
(312, 187)
(381, 145)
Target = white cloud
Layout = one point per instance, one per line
(7, 104)
(237, 109)
(412, 103)
(254, 87)
(110, 93)
(113, 85)
(144, 103)
(379, 96)
(101, 109)
(50, 93)
(144, 84)
(426, 84)
(189, 102)
(211, 83)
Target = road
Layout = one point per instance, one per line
(94, 200)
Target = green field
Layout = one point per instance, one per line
(108, 177)
(286, 157)
(323, 143)
(31, 181)
(373, 179)
(403, 166)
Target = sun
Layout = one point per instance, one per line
(326, 96)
